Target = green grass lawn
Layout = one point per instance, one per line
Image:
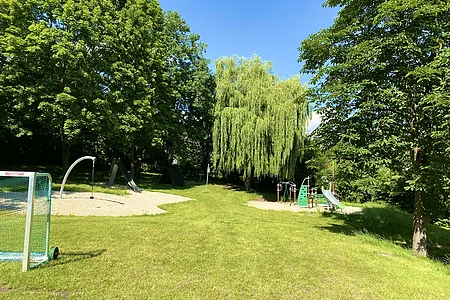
(217, 247)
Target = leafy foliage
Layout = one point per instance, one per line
(380, 78)
(102, 74)
(185, 106)
(260, 121)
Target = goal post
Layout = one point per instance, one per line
(25, 208)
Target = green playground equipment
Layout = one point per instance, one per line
(320, 199)
(303, 194)
(308, 196)
(334, 202)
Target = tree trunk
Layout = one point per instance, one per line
(132, 170)
(249, 182)
(65, 157)
(419, 244)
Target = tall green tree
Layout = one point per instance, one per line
(380, 74)
(260, 121)
(185, 106)
(159, 84)
(136, 74)
(54, 66)
(14, 22)
(103, 74)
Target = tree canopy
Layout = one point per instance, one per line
(103, 74)
(260, 120)
(381, 82)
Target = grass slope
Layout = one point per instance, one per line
(218, 247)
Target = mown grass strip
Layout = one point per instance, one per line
(218, 247)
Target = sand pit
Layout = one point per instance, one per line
(295, 208)
(79, 204)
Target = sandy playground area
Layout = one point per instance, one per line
(295, 208)
(146, 203)
(79, 204)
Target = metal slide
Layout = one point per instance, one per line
(332, 199)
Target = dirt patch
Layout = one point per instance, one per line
(3, 289)
(80, 204)
(295, 208)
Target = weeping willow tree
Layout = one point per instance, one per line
(260, 120)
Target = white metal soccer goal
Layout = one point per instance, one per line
(25, 207)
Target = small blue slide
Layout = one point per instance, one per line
(330, 197)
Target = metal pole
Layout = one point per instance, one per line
(92, 180)
(278, 191)
(207, 176)
(332, 177)
(308, 193)
(295, 193)
(70, 169)
(28, 223)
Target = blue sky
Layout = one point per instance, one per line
(272, 29)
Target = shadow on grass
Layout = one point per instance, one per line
(150, 181)
(392, 224)
(272, 196)
(265, 195)
(147, 181)
(74, 256)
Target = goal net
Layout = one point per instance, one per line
(25, 206)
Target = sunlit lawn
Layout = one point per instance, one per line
(217, 247)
